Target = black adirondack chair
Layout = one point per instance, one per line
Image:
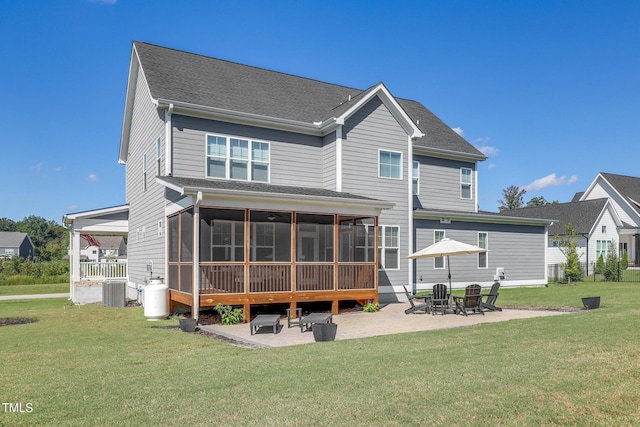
(471, 301)
(415, 308)
(490, 302)
(439, 299)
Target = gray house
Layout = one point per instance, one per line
(247, 186)
(15, 244)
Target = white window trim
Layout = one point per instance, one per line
(444, 259)
(382, 257)
(158, 157)
(401, 163)
(486, 253)
(417, 178)
(470, 184)
(227, 164)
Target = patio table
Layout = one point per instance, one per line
(308, 321)
(265, 320)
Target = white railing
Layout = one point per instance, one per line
(103, 270)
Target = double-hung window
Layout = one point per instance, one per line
(415, 173)
(465, 183)
(389, 247)
(483, 242)
(602, 248)
(438, 235)
(389, 164)
(237, 158)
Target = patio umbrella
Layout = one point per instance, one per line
(447, 247)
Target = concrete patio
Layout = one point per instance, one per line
(391, 319)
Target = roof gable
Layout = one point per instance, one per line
(13, 239)
(199, 84)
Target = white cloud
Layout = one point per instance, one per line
(104, 1)
(491, 165)
(550, 180)
(92, 177)
(72, 208)
(458, 130)
(488, 150)
(36, 167)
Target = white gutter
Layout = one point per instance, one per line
(339, 158)
(410, 232)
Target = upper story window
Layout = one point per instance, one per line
(604, 229)
(465, 183)
(390, 164)
(415, 173)
(235, 158)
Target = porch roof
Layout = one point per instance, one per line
(241, 190)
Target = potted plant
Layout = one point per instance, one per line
(591, 303)
(188, 324)
(324, 331)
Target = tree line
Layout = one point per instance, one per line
(49, 264)
(513, 198)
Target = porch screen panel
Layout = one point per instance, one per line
(314, 238)
(270, 237)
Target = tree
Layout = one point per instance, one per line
(611, 264)
(537, 201)
(512, 198)
(568, 244)
(7, 224)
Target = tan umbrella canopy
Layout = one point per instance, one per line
(447, 247)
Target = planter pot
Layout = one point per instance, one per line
(324, 331)
(188, 325)
(591, 303)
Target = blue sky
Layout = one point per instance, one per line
(549, 90)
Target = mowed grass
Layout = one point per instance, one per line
(94, 365)
(55, 288)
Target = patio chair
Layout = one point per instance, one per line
(472, 300)
(491, 297)
(423, 306)
(439, 299)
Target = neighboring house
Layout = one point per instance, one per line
(102, 248)
(15, 244)
(595, 223)
(248, 186)
(606, 214)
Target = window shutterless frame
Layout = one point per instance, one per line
(483, 242)
(389, 164)
(466, 183)
(237, 158)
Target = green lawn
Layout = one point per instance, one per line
(94, 365)
(55, 288)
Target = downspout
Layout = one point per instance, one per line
(339, 158)
(168, 146)
(411, 228)
(586, 236)
(196, 256)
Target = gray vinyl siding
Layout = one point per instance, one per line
(146, 208)
(372, 128)
(519, 249)
(329, 162)
(295, 159)
(440, 184)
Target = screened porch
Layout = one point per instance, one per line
(245, 257)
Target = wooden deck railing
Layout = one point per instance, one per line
(264, 278)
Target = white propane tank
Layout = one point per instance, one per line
(156, 300)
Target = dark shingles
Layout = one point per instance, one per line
(258, 187)
(627, 186)
(582, 215)
(200, 80)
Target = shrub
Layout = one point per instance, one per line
(229, 315)
(371, 307)
(600, 265)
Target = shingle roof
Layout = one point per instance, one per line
(258, 187)
(11, 239)
(582, 215)
(627, 186)
(200, 80)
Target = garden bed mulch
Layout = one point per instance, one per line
(8, 321)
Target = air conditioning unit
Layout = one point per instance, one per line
(114, 294)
